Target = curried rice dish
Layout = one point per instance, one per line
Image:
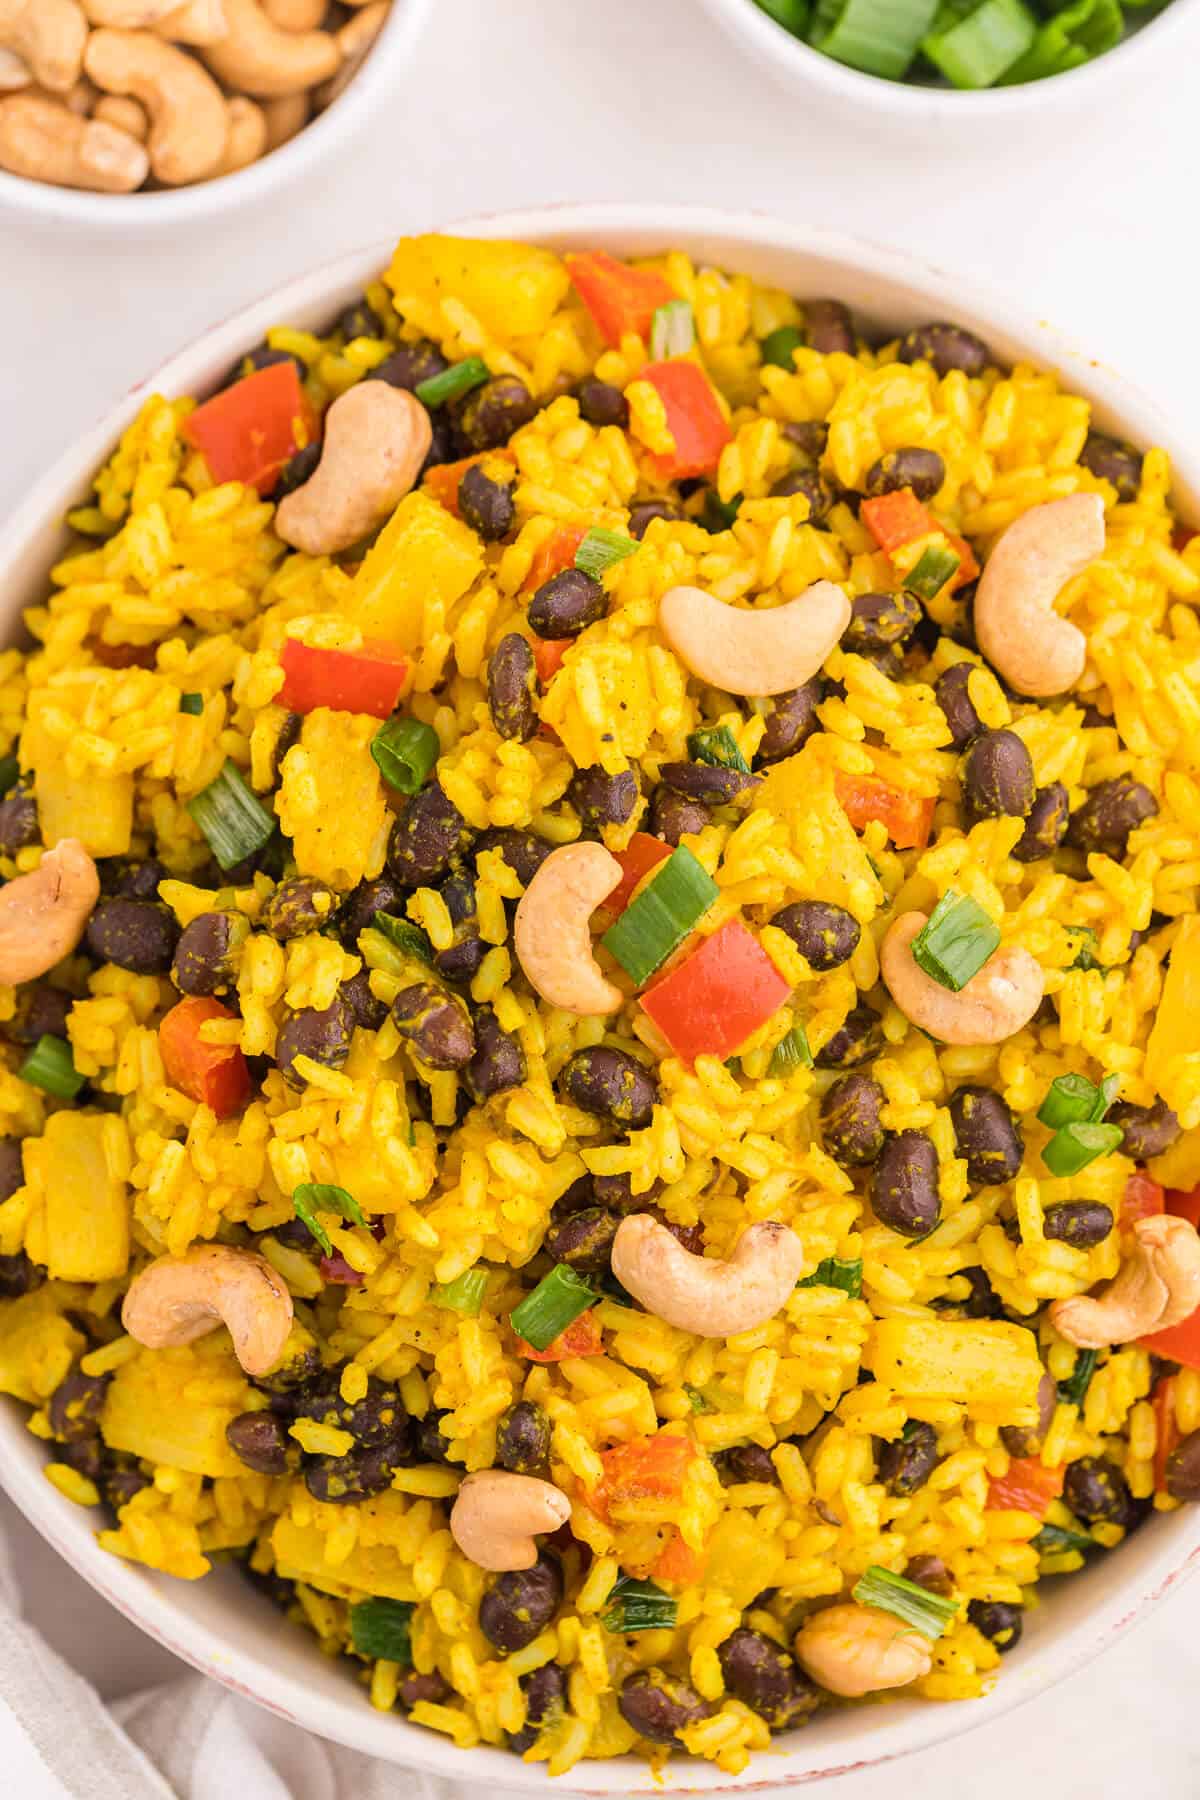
(601, 1027)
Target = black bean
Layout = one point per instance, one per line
(981, 1301)
(1149, 1130)
(260, 1440)
(986, 1135)
(930, 1572)
(40, 1011)
(825, 935)
(410, 365)
(584, 1240)
(427, 837)
(208, 951)
(322, 1033)
(602, 799)
(828, 327)
(378, 1419)
(512, 687)
(435, 1024)
(905, 1463)
(766, 1679)
(997, 777)
(1183, 1468)
(904, 1184)
(616, 1192)
(1112, 459)
(298, 905)
(881, 621)
(856, 1040)
(363, 902)
(486, 504)
(18, 1275)
(658, 1706)
(998, 1621)
(521, 1604)
(950, 692)
(673, 816)
(499, 1061)
(443, 441)
(567, 604)
(1095, 1490)
(364, 1009)
(1026, 1440)
(461, 960)
(295, 472)
(1111, 811)
(489, 415)
(360, 320)
(523, 851)
(912, 467)
(946, 347)
(646, 511)
(119, 1484)
(130, 880)
(745, 1462)
(809, 436)
(345, 1480)
(791, 721)
(12, 1171)
(430, 1444)
(523, 1439)
(850, 1124)
(612, 1085)
(600, 403)
(1081, 1223)
(545, 1692)
(712, 783)
(263, 357)
(413, 1689)
(76, 1405)
(139, 935)
(813, 486)
(1046, 826)
(18, 818)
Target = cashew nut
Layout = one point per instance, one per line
(355, 38)
(1157, 1286)
(195, 22)
(994, 1004)
(256, 57)
(42, 915)
(128, 15)
(551, 935)
(754, 651)
(495, 1516)
(42, 140)
(855, 1650)
(247, 136)
(1016, 626)
(49, 35)
(295, 15)
(376, 439)
(124, 115)
(179, 1298)
(15, 72)
(286, 117)
(189, 123)
(698, 1293)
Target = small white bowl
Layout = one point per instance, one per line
(220, 1625)
(798, 65)
(381, 74)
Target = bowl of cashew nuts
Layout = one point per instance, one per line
(132, 112)
(221, 1625)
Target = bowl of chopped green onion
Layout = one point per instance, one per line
(934, 58)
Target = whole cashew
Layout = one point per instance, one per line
(1016, 626)
(855, 1650)
(551, 935)
(44, 141)
(15, 72)
(189, 123)
(698, 1293)
(128, 15)
(286, 117)
(179, 1298)
(195, 22)
(495, 1516)
(994, 1004)
(256, 57)
(42, 915)
(1157, 1286)
(295, 15)
(247, 136)
(123, 114)
(376, 439)
(745, 651)
(49, 35)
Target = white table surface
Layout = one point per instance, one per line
(1083, 217)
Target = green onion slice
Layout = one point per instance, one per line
(915, 1606)
(464, 1294)
(1052, 1540)
(1073, 36)
(791, 14)
(791, 1052)
(50, 1066)
(834, 1273)
(639, 1606)
(657, 922)
(778, 345)
(717, 746)
(974, 50)
(601, 548)
(955, 941)
(321, 1196)
(1073, 1390)
(191, 703)
(672, 330)
(558, 1299)
(405, 751)
(1072, 1099)
(404, 936)
(880, 37)
(931, 571)
(231, 817)
(453, 382)
(382, 1628)
(1075, 1146)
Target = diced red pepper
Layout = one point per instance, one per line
(641, 854)
(679, 1564)
(548, 656)
(908, 817)
(216, 1075)
(646, 1468)
(1184, 1205)
(338, 1272)
(1181, 537)
(369, 680)
(553, 555)
(249, 431)
(581, 1338)
(899, 518)
(1141, 1200)
(1178, 1343)
(1028, 1487)
(694, 418)
(1166, 1431)
(442, 481)
(619, 298)
(711, 1002)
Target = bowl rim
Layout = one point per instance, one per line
(791, 60)
(1166, 1553)
(169, 207)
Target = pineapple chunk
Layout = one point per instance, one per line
(173, 1406)
(990, 1366)
(741, 1561)
(513, 290)
(37, 1344)
(86, 1208)
(369, 1569)
(97, 809)
(423, 560)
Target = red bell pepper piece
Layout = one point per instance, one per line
(679, 1564)
(248, 431)
(582, 1337)
(641, 854)
(1166, 1431)
(694, 418)
(369, 680)
(1028, 1487)
(899, 518)
(1141, 1200)
(553, 555)
(711, 1002)
(442, 481)
(907, 816)
(548, 656)
(646, 1468)
(1183, 1205)
(216, 1075)
(619, 298)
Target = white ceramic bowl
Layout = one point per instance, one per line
(381, 74)
(919, 105)
(221, 1625)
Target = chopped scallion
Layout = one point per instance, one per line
(1073, 36)
(834, 1273)
(464, 1294)
(382, 1628)
(321, 1196)
(656, 923)
(1053, 1540)
(791, 1052)
(601, 548)
(672, 330)
(404, 936)
(916, 1606)
(191, 703)
(955, 941)
(1075, 1146)
(1073, 1390)
(405, 750)
(779, 346)
(975, 50)
(931, 571)
(639, 1606)
(231, 817)
(50, 1066)
(307, 1216)
(558, 1299)
(1073, 1099)
(716, 745)
(453, 382)
(880, 37)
